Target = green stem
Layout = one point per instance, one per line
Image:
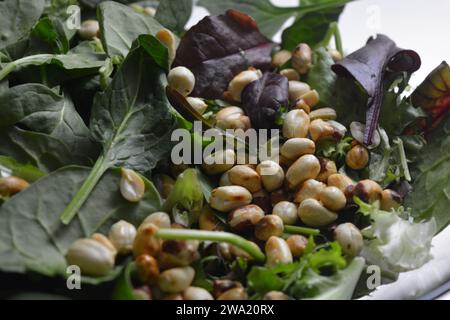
(89, 184)
(30, 60)
(215, 236)
(301, 230)
(403, 160)
(10, 67)
(338, 39)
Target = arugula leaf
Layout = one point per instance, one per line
(311, 28)
(174, 14)
(131, 120)
(32, 237)
(17, 17)
(120, 25)
(9, 166)
(431, 188)
(270, 18)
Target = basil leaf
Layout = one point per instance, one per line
(174, 14)
(17, 17)
(131, 120)
(120, 25)
(32, 237)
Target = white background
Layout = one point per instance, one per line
(423, 26)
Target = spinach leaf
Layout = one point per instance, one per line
(131, 120)
(311, 28)
(51, 124)
(39, 149)
(262, 99)
(218, 48)
(120, 25)
(174, 14)
(431, 189)
(79, 64)
(9, 166)
(32, 237)
(270, 18)
(17, 17)
(51, 31)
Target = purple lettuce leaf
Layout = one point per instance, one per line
(218, 48)
(370, 66)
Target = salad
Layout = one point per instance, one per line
(140, 160)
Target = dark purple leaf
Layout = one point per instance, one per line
(218, 48)
(262, 99)
(369, 66)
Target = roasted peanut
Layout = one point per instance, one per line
(306, 167)
(229, 198)
(287, 211)
(314, 214)
(277, 251)
(270, 225)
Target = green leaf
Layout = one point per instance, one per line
(120, 25)
(185, 197)
(131, 120)
(17, 17)
(337, 287)
(174, 14)
(39, 149)
(32, 237)
(123, 289)
(25, 171)
(322, 78)
(51, 31)
(431, 188)
(40, 109)
(270, 18)
(310, 29)
(83, 64)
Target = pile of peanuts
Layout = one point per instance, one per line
(303, 189)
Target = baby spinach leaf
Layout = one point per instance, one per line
(263, 98)
(369, 66)
(431, 188)
(174, 14)
(310, 29)
(120, 25)
(49, 121)
(41, 150)
(26, 171)
(219, 47)
(51, 31)
(83, 64)
(32, 237)
(131, 120)
(270, 18)
(17, 17)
